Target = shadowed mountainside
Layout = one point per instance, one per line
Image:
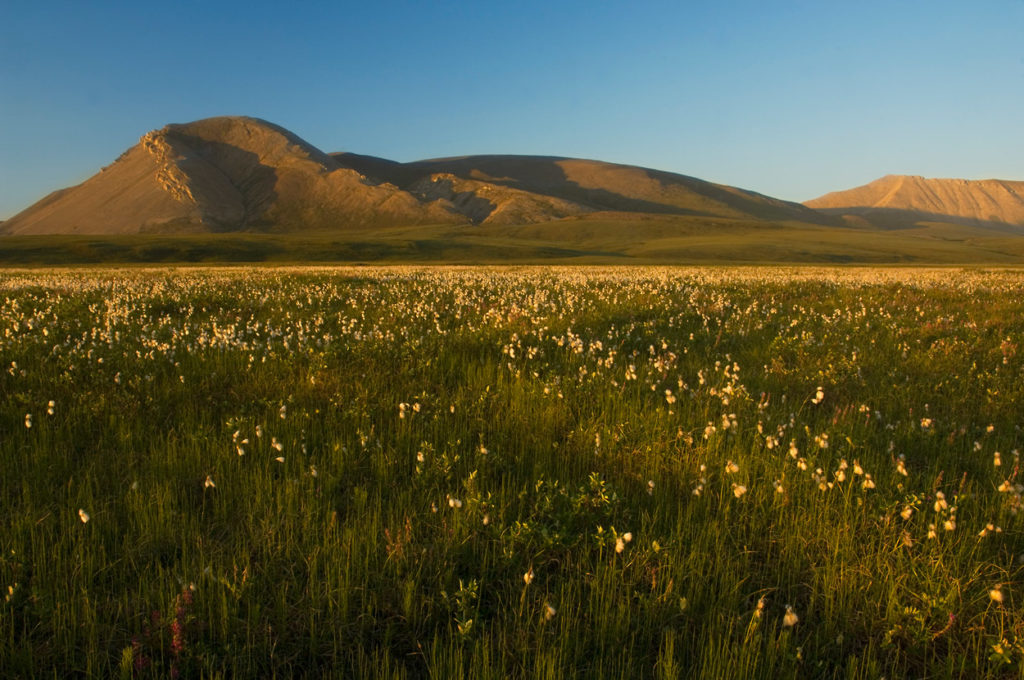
(568, 186)
(897, 201)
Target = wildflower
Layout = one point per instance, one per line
(790, 619)
(731, 467)
(83, 515)
(996, 595)
(926, 423)
(819, 396)
(627, 537)
(528, 577)
(931, 531)
(1005, 487)
(950, 524)
(208, 484)
(738, 490)
(620, 545)
(857, 469)
(869, 483)
(907, 512)
(793, 450)
(940, 501)
(901, 466)
(996, 459)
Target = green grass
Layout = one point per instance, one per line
(483, 472)
(607, 239)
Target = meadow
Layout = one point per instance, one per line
(544, 472)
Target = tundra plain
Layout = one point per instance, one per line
(547, 472)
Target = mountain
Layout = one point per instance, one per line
(900, 200)
(231, 174)
(223, 174)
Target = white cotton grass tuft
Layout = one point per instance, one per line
(83, 515)
(790, 619)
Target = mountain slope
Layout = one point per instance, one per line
(901, 199)
(586, 186)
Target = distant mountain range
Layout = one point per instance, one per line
(239, 174)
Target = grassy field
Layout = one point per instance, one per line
(511, 472)
(609, 239)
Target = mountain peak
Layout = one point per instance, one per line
(912, 198)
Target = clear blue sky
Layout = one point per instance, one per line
(790, 99)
